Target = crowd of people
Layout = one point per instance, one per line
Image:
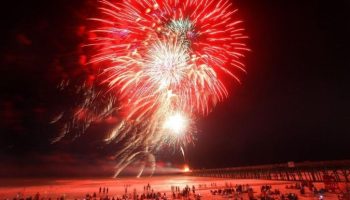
(231, 191)
(266, 193)
(103, 193)
(103, 190)
(186, 193)
(226, 191)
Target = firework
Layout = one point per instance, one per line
(167, 63)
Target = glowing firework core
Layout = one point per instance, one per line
(167, 64)
(176, 124)
(186, 169)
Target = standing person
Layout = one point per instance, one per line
(135, 193)
(100, 190)
(37, 196)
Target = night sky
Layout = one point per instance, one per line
(293, 105)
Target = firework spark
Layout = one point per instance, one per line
(166, 62)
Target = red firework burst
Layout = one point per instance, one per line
(165, 62)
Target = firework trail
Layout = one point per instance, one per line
(166, 63)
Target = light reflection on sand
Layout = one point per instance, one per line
(78, 188)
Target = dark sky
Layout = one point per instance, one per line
(293, 104)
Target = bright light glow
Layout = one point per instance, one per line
(186, 168)
(176, 123)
